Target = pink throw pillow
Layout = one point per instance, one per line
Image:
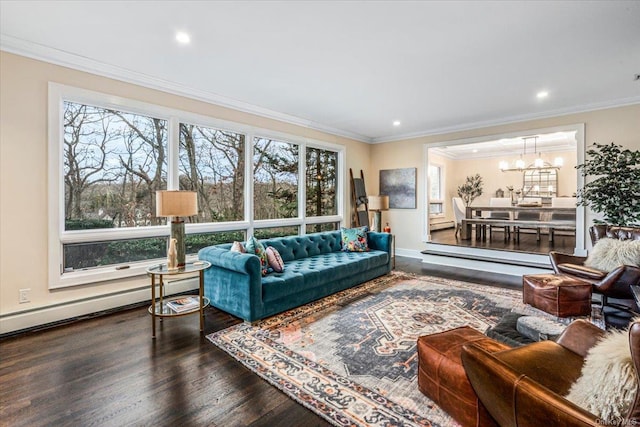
(275, 260)
(238, 247)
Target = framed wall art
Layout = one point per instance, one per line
(400, 186)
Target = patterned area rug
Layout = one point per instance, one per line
(352, 357)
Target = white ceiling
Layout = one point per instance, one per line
(352, 68)
(502, 148)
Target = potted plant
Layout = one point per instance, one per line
(615, 191)
(471, 189)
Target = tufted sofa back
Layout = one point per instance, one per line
(598, 232)
(295, 247)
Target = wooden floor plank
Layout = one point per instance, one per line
(107, 371)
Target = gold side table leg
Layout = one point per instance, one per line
(201, 300)
(153, 305)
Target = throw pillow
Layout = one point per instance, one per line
(238, 247)
(608, 254)
(275, 260)
(607, 384)
(354, 239)
(253, 246)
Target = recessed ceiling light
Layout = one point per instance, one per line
(475, 150)
(542, 94)
(183, 37)
(396, 123)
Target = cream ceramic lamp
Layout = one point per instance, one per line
(377, 204)
(177, 204)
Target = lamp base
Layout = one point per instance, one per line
(177, 232)
(377, 221)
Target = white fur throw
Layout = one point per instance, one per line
(608, 382)
(608, 254)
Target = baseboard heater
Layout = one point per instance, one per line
(441, 225)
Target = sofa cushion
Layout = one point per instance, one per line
(321, 269)
(354, 239)
(253, 246)
(279, 285)
(296, 247)
(608, 383)
(608, 254)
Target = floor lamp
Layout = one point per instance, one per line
(177, 204)
(377, 204)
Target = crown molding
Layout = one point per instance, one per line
(66, 59)
(512, 119)
(70, 60)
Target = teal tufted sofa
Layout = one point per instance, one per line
(315, 267)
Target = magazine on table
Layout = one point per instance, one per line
(183, 304)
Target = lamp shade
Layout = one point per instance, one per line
(378, 203)
(176, 203)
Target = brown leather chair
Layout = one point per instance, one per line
(524, 386)
(615, 284)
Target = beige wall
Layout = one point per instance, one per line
(23, 172)
(619, 125)
(493, 179)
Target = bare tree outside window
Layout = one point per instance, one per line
(275, 187)
(113, 164)
(321, 182)
(212, 164)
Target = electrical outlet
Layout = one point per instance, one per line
(24, 296)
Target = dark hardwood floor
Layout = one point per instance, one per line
(528, 243)
(107, 371)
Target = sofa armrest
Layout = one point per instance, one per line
(515, 399)
(380, 241)
(235, 261)
(580, 336)
(581, 271)
(557, 258)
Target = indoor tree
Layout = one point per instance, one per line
(615, 189)
(471, 189)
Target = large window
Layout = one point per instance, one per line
(212, 164)
(321, 182)
(275, 175)
(436, 190)
(109, 155)
(113, 164)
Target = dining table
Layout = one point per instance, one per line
(475, 215)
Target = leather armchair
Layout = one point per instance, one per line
(615, 284)
(524, 386)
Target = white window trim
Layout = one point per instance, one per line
(57, 236)
(443, 214)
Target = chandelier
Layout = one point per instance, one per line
(538, 164)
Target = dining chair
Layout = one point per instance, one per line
(500, 202)
(562, 202)
(459, 212)
(529, 216)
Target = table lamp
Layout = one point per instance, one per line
(177, 204)
(377, 204)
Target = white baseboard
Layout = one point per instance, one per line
(486, 266)
(44, 315)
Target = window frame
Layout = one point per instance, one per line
(58, 236)
(440, 201)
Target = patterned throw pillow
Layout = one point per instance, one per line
(238, 247)
(355, 239)
(275, 260)
(253, 246)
